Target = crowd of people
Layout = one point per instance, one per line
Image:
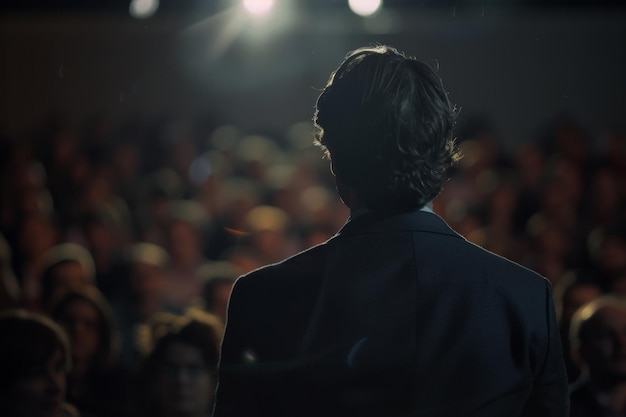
(120, 247)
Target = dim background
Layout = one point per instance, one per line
(519, 64)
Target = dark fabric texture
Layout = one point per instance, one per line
(396, 315)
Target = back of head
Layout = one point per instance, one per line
(598, 341)
(386, 123)
(583, 319)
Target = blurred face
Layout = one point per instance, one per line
(184, 242)
(603, 346)
(185, 385)
(100, 237)
(40, 392)
(148, 280)
(38, 234)
(82, 322)
(69, 275)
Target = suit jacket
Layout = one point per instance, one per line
(396, 315)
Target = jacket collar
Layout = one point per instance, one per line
(375, 222)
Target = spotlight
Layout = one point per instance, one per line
(365, 7)
(142, 9)
(258, 7)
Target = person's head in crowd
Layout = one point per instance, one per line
(185, 233)
(149, 264)
(385, 122)
(107, 229)
(34, 361)
(598, 340)
(178, 376)
(218, 279)
(551, 245)
(156, 191)
(268, 227)
(34, 200)
(237, 196)
(98, 188)
(255, 153)
(90, 324)
(578, 289)
(65, 266)
(610, 253)
(317, 208)
(38, 233)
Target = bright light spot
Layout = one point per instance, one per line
(365, 7)
(258, 7)
(142, 9)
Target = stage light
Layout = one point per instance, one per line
(258, 7)
(365, 7)
(142, 9)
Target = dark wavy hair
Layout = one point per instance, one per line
(385, 121)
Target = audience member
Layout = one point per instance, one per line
(96, 383)
(218, 279)
(63, 267)
(598, 342)
(571, 293)
(149, 264)
(178, 377)
(106, 233)
(185, 245)
(34, 361)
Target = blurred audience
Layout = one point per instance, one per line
(161, 216)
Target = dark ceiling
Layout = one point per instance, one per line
(178, 6)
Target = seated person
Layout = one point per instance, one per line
(65, 266)
(34, 359)
(178, 376)
(97, 383)
(598, 341)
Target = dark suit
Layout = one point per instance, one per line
(394, 316)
